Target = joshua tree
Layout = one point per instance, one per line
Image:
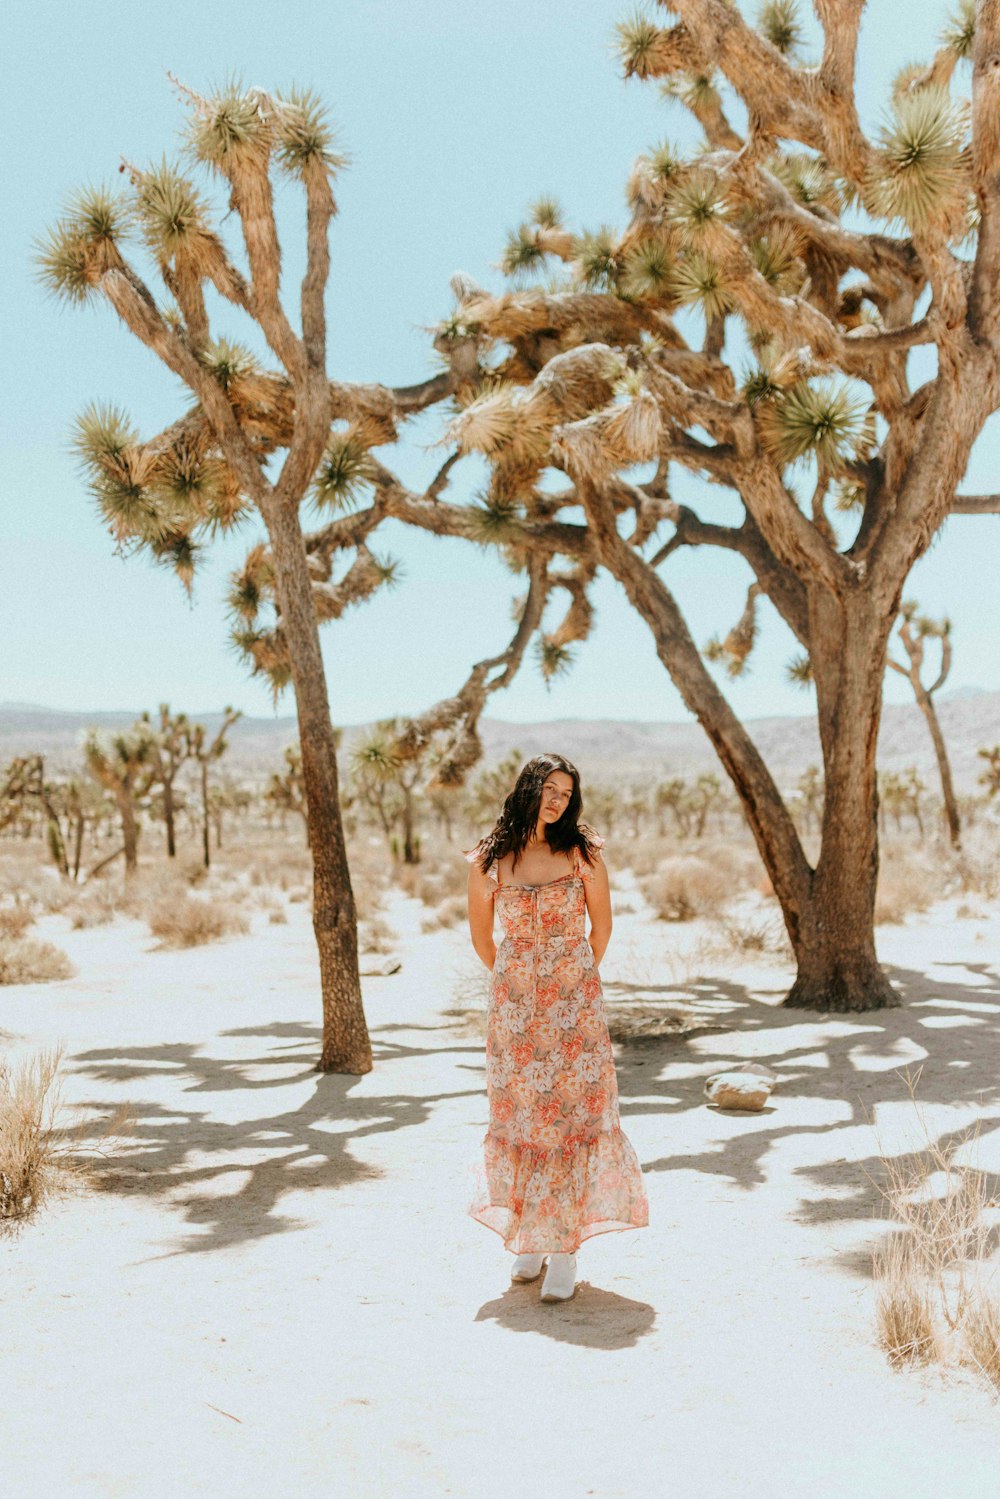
(213, 467)
(198, 746)
(812, 247)
(170, 750)
(914, 630)
(286, 789)
(809, 791)
(123, 764)
(990, 777)
(381, 771)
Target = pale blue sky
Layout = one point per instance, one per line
(456, 117)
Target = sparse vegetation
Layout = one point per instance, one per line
(28, 1100)
(186, 920)
(28, 961)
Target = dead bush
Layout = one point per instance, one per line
(904, 1304)
(452, 910)
(905, 886)
(28, 1100)
(15, 920)
(25, 961)
(185, 920)
(277, 916)
(686, 886)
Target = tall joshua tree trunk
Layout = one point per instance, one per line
(833, 933)
(346, 1047)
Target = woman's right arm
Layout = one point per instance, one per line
(481, 889)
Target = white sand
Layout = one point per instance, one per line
(292, 1250)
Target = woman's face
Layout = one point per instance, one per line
(556, 793)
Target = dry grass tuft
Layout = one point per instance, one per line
(185, 920)
(15, 920)
(26, 961)
(982, 1336)
(931, 1299)
(376, 935)
(28, 1100)
(904, 1305)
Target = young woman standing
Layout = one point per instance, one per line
(557, 1167)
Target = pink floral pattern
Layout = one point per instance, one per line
(556, 1167)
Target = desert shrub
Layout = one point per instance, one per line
(25, 961)
(376, 935)
(434, 881)
(185, 920)
(686, 886)
(96, 905)
(27, 1153)
(452, 910)
(277, 916)
(905, 885)
(749, 934)
(15, 920)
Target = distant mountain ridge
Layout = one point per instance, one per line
(605, 748)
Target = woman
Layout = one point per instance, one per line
(557, 1167)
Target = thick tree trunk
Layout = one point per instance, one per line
(927, 708)
(829, 911)
(346, 1044)
(834, 940)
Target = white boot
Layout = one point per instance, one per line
(527, 1267)
(560, 1278)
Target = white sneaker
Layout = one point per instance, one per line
(527, 1267)
(560, 1278)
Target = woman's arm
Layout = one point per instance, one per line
(481, 910)
(597, 890)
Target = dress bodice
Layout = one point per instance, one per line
(551, 912)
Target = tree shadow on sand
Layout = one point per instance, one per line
(950, 1027)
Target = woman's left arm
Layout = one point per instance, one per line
(597, 890)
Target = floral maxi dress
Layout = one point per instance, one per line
(556, 1166)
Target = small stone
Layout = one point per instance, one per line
(738, 1090)
(377, 965)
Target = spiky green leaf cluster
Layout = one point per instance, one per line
(304, 136)
(82, 243)
(824, 419)
(522, 252)
(230, 124)
(922, 175)
(344, 473)
(959, 31)
(809, 180)
(779, 22)
(694, 90)
(494, 518)
(648, 272)
(700, 281)
(775, 255)
(171, 212)
(229, 362)
(697, 209)
(599, 261)
(636, 39)
(546, 213)
(799, 670)
(553, 660)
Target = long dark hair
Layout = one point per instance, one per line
(519, 816)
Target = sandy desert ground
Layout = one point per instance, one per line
(272, 1285)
